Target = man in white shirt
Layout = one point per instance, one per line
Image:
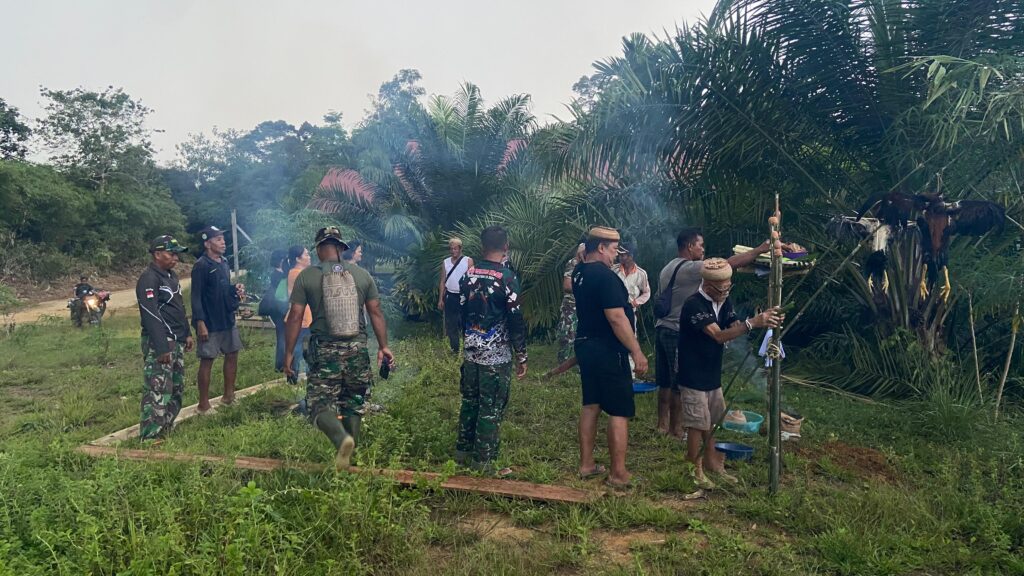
(635, 279)
(452, 270)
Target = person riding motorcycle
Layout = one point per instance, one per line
(79, 306)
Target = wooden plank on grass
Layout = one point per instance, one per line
(185, 414)
(486, 486)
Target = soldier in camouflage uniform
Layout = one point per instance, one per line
(567, 320)
(493, 328)
(165, 339)
(339, 375)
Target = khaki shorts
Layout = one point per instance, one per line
(702, 409)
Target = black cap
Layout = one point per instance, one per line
(210, 232)
(166, 242)
(330, 234)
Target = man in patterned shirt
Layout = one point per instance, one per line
(494, 331)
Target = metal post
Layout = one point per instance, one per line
(234, 239)
(775, 374)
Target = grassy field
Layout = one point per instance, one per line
(924, 488)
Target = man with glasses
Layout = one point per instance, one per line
(706, 323)
(681, 278)
(165, 339)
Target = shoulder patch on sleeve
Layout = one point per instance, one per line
(149, 293)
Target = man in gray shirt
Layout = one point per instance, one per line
(686, 268)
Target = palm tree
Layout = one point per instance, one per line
(408, 192)
(827, 102)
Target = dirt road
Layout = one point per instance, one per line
(118, 300)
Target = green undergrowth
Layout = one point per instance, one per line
(871, 488)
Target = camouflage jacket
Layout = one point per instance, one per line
(492, 318)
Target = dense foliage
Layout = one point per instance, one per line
(825, 103)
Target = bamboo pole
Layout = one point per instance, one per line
(1009, 354)
(774, 376)
(974, 345)
(234, 240)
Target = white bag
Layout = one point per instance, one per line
(341, 300)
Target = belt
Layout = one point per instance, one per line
(450, 293)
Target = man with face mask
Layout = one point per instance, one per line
(165, 339)
(706, 323)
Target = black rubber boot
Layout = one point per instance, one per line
(352, 425)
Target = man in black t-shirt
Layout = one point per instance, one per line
(604, 344)
(706, 323)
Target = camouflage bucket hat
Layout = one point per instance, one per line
(330, 233)
(166, 242)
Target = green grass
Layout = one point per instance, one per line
(923, 488)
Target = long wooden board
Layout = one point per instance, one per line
(185, 414)
(487, 486)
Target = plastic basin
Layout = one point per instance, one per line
(642, 387)
(734, 451)
(751, 426)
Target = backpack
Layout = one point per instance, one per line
(663, 304)
(275, 300)
(341, 300)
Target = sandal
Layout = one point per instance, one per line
(596, 471)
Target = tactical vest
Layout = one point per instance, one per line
(341, 300)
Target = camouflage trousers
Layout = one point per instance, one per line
(566, 330)
(162, 387)
(339, 377)
(485, 391)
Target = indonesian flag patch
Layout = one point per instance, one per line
(149, 293)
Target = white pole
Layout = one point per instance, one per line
(234, 239)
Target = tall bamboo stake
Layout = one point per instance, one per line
(1014, 327)
(774, 376)
(974, 344)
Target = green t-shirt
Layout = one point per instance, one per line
(308, 291)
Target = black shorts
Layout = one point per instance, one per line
(607, 378)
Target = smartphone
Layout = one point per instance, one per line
(385, 369)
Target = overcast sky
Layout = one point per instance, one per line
(232, 64)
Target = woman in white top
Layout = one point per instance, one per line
(452, 270)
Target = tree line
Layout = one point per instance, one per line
(825, 103)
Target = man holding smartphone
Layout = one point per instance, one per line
(339, 366)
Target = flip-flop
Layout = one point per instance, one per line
(597, 470)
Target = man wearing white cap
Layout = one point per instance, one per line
(706, 323)
(604, 345)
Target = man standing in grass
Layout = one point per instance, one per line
(165, 339)
(604, 345)
(495, 336)
(635, 279)
(339, 376)
(452, 270)
(214, 301)
(707, 321)
(681, 277)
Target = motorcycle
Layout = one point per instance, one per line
(90, 305)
